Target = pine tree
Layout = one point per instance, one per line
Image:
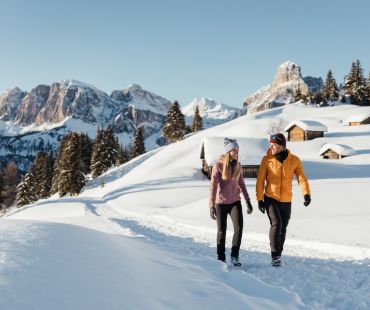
(298, 93)
(11, 180)
(86, 152)
(197, 121)
(57, 164)
(71, 178)
(26, 190)
(355, 85)
(330, 92)
(138, 147)
(174, 126)
(97, 151)
(123, 156)
(105, 152)
(41, 172)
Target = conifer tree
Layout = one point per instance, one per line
(105, 151)
(123, 155)
(355, 85)
(97, 151)
(71, 177)
(57, 164)
(174, 126)
(138, 147)
(330, 91)
(298, 93)
(197, 121)
(26, 190)
(86, 152)
(11, 179)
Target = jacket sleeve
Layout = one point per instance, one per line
(301, 178)
(242, 186)
(215, 180)
(261, 177)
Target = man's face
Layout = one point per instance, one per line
(234, 154)
(276, 148)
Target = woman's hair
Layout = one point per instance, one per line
(225, 167)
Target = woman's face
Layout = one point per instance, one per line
(276, 148)
(234, 154)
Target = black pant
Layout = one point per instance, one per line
(279, 215)
(236, 214)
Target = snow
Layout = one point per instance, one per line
(210, 109)
(307, 125)
(145, 240)
(340, 149)
(251, 150)
(357, 117)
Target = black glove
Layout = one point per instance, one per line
(307, 200)
(249, 207)
(212, 213)
(261, 206)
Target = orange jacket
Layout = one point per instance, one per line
(274, 178)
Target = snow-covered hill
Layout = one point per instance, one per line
(145, 239)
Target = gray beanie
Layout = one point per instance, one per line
(230, 144)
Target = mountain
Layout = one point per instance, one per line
(36, 121)
(212, 112)
(281, 91)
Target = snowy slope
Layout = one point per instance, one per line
(156, 243)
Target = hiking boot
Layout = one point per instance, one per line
(276, 261)
(235, 261)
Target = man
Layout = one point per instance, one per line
(274, 191)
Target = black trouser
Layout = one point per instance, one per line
(279, 215)
(236, 214)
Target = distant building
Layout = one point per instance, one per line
(336, 151)
(251, 151)
(358, 119)
(305, 130)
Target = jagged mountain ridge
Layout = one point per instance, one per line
(287, 79)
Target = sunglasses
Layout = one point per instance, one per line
(276, 137)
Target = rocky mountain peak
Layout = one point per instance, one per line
(281, 91)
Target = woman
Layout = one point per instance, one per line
(226, 183)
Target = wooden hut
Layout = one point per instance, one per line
(336, 151)
(358, 119)
(251, 151)
(305, 130)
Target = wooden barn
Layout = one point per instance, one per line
(305, 130)
(358, 119)
(336, 151)
(251, 151)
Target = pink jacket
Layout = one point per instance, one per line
(225, 191)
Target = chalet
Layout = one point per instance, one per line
(336, 151)
(359, 119)
(305, 130)
(251, 151)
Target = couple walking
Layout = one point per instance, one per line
(273, 190)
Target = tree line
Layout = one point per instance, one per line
(355, 89)
(78, 157)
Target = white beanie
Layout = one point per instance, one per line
(230, 144)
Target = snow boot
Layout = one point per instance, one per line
(276, 261)
(235, 261)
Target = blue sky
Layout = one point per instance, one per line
(223, 50)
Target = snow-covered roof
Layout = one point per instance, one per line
(307, 125)
(251, 150)
(357, 117)
(340, 149)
